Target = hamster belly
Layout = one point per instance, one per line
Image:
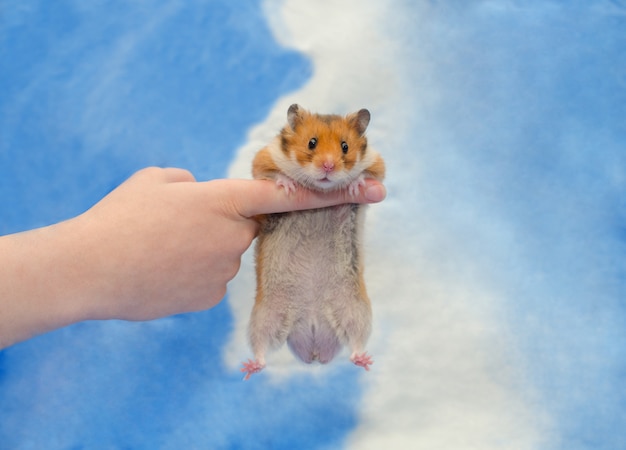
(310, 273)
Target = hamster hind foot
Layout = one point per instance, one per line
(251, 367)
(362, 360)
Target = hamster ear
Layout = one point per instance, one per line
(294, 115)
(360, 120)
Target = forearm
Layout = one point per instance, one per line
(43, 281)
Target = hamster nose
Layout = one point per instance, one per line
(328, 166)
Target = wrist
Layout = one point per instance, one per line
(44, 283)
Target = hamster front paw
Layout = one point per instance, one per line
(354, 186)
(287, 183)
(362, 360)
(250, 367)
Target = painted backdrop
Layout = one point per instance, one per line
(497, 265)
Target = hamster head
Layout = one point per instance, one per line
(324, 152)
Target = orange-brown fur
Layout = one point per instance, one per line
(263, 166)
(328, 130)
(377, 169)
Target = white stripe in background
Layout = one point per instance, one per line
(446, 375)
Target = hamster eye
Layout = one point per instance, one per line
(344, 147)
(312, 143)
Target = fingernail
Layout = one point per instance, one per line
(375, 193)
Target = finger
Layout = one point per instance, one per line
(176, 175)
(255, 197)
(167, 174)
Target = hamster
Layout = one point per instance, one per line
(309, 264)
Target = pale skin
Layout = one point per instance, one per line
(159, 244)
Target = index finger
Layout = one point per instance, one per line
(256, 197)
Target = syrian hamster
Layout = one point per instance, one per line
(309, 264)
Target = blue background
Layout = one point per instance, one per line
(524, 137)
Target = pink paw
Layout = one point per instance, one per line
(363, 360)
(287, 183)
(354, 187)
(251, 367)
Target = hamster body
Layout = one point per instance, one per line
(309, 267)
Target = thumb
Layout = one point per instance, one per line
(254, 197)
